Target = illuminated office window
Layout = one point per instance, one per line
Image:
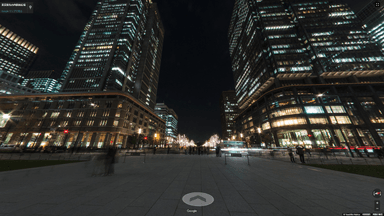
(313, 109)
(289, 121)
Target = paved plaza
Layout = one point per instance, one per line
(156, 187)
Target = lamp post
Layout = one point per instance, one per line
(154, 142)
(259, 132)
(138, 138)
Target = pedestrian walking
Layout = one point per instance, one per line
(198, 150)
(217, 151)
(290, 153)
(190, 150)
(366, 152)
(324, 150)
(357, 152)
(168, 150)
(154, 150)
(109, 161)
(300, 152)
(308, 151)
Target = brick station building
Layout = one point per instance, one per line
(92, 119)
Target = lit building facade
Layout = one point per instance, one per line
(16, 53)
(119, 49)
(11, 83)
(95, 120)
(372, 19)
(228, 112)
(41, 81)
(168, 115)
(277, 47)
(345, 111)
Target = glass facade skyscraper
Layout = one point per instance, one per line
(169, 115)
(275, 40)
(16, 53)
(228, 112)
(306, 73)
(372, 18)
(119, 49)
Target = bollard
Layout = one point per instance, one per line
(351, 160)
(225, 157)
(248, 159)
(366, 161)
(337, 160)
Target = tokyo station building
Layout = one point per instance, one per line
(96, 120)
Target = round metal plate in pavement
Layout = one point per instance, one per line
(198, 199)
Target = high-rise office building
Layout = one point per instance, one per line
(304, 74)
(41, 81)
(275, 40)
(372, 19)
(16, 53)
(119, 49)
(169, 115)
(228, 112)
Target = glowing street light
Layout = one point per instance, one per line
(139, 130)
(6, 116)
(259, 130)
(320, 95)
(241, 135)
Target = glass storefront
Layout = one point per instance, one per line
(292, 138)
(323, 138)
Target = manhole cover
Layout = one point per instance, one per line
(198, 199)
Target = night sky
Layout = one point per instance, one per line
(195, 65)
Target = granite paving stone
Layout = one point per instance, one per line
(156, 187)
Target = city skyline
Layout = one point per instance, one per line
(201, 36)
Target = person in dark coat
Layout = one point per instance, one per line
(217, 151)
(109, 161)
(290, 153)
(168, 149)
(366, 152)
(300, 152)
(154, 150)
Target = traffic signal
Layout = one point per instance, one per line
(66, 131)
(309, 135)
(145, 138)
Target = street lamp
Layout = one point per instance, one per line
(6, 116)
